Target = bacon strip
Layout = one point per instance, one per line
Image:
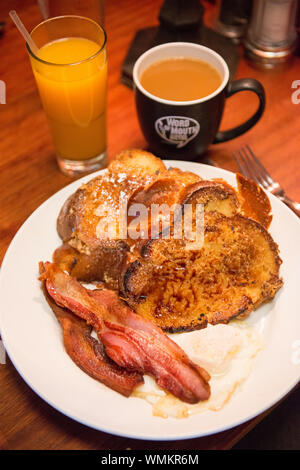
(130, 340)
(89, 354)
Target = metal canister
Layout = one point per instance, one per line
(271, 36)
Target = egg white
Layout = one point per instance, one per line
(227, 352)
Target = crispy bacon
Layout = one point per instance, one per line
(129, 340)
(89, 354)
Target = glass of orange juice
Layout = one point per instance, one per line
(70, 69)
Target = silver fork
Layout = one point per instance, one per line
(252, 168)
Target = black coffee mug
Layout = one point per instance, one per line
(184, 129)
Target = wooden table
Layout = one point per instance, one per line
(29, 175)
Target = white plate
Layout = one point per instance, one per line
(32, 335)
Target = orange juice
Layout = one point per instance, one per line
(74, 96)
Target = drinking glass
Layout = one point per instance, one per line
(74, 95)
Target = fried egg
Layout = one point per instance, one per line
(227, 352)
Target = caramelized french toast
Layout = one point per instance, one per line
(232, 273)
(85, 255)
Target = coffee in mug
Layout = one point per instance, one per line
(180, 105)
(181, 79)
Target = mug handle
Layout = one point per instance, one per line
(244, 84)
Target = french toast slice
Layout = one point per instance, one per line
(136, 163)
(170, 187)
(165, 193)
(215, 197)
(102, 264)
(101, 196)
(254, 201)
(181, 290)
(85, 253)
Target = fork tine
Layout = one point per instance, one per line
(265, 175)
(252, 169)
(258, 177)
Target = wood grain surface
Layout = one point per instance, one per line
(29, 175)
